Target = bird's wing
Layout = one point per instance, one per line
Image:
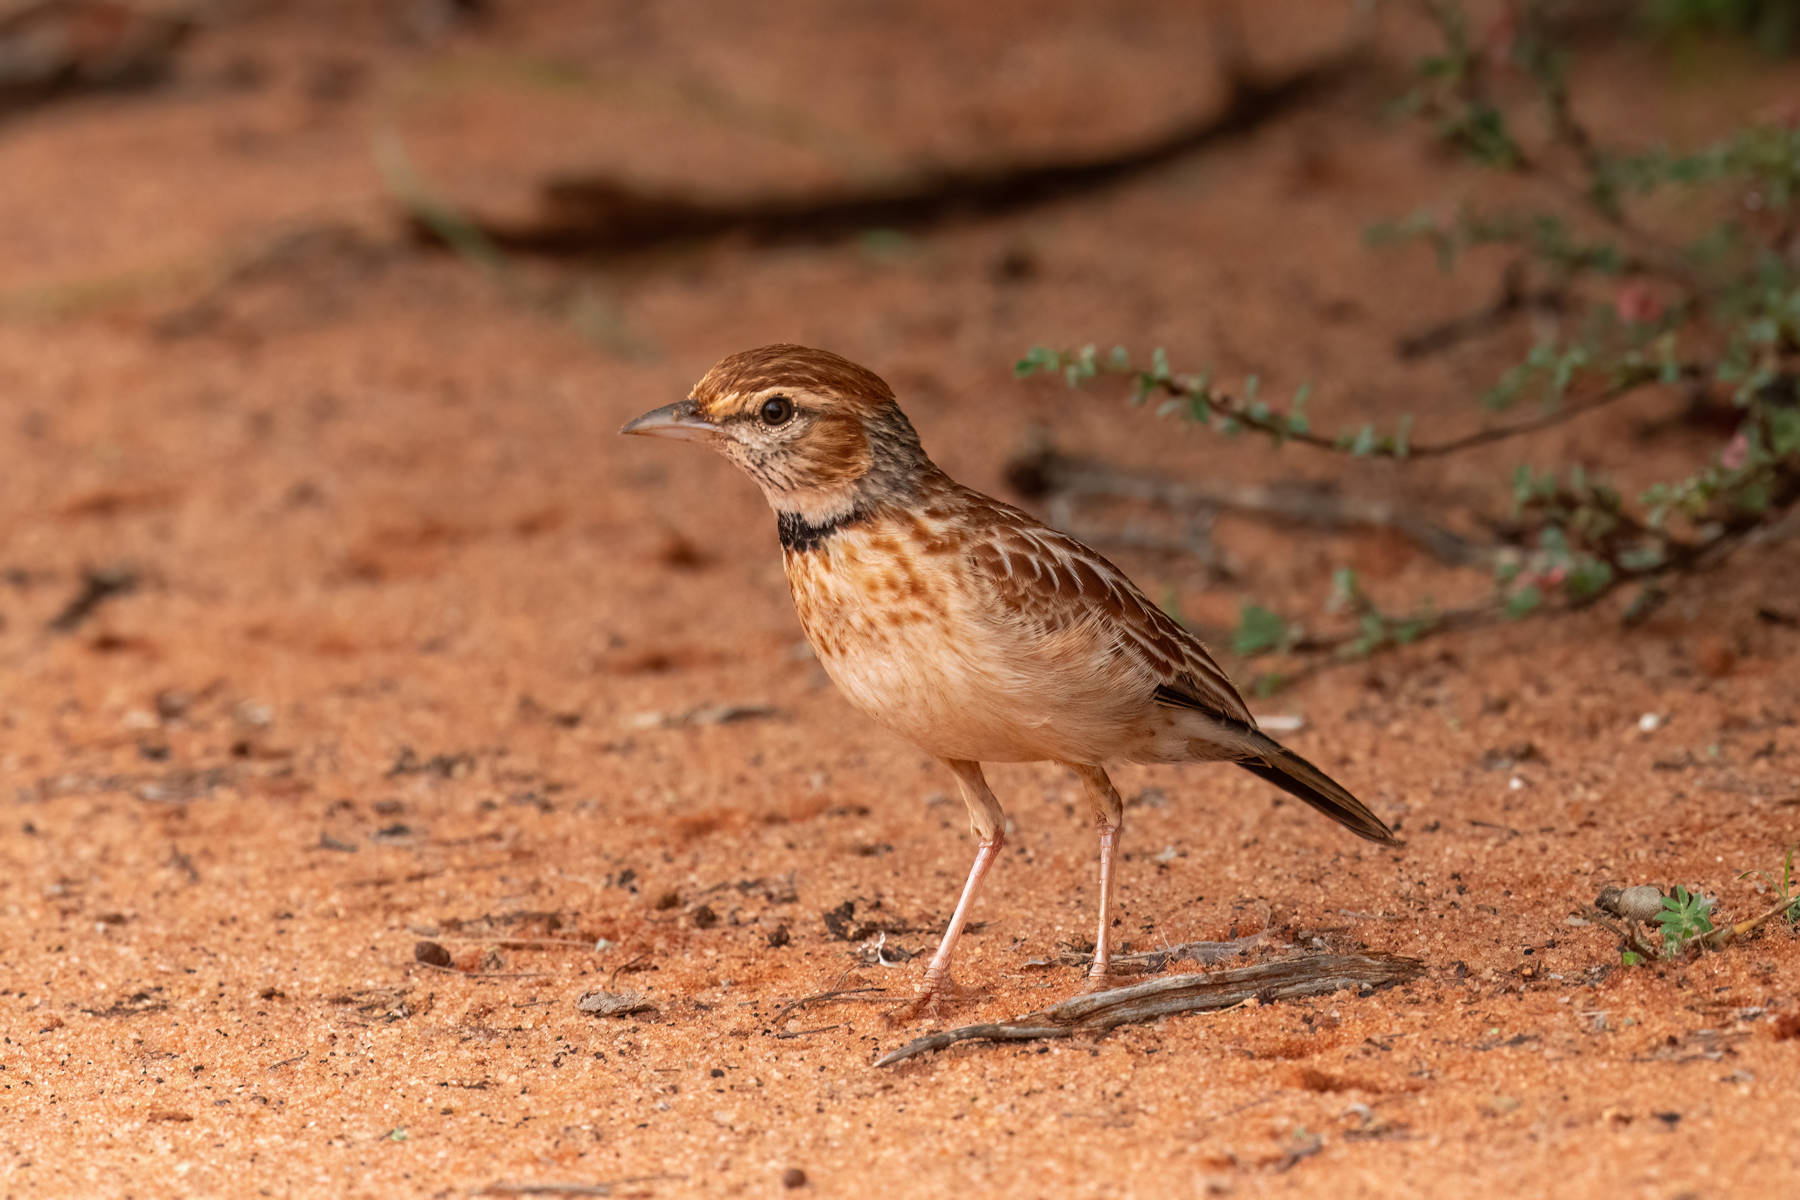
(1047, 579)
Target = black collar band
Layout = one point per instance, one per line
(798, 535)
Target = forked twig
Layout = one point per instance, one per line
(793, 1005)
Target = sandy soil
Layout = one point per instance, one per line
(417, 649)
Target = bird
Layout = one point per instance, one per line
(966, 625)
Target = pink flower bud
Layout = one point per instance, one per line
(1636, 302)
(1736, 452)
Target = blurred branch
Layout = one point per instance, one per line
(1042, 472)
(601, 215)
(50, 49)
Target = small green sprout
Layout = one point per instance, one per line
(1787, 888)
(1685, 918)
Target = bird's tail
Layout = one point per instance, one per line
(1294, 775)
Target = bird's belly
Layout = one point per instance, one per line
(910, 653)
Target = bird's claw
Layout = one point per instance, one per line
(934, 995)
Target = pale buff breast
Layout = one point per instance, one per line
(903, 630)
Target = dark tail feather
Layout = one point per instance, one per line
(1297, 777)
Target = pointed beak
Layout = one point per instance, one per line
(680, 421)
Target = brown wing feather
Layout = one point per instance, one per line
(1049, 579)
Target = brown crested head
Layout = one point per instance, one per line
(735, 384)
(821, 435)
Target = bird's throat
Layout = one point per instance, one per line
(801, 535)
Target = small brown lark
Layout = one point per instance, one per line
(965, 625)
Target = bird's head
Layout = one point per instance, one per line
(822, 436)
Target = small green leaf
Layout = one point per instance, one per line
(1524, 602)
(1038, 358)
(1258, 630)
(1296, 421)
(1267, 684)
(1784, 431)
(1588, 577)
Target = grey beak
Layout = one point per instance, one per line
(679, 421)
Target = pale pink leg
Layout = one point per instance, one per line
(1109, 818)
(989, 824)
(939, 970)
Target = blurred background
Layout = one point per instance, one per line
(329, 309)
(334, 614)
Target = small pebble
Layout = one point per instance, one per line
(431, 953)
(1650, 722)
(793, 1177)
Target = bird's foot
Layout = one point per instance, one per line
(935, 995)
(1097, 983)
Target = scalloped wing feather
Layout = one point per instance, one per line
(1050, 581)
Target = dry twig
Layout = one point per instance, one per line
(794, 1005)
(1283, 979)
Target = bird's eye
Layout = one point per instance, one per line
(776, 410)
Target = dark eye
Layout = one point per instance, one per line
(776, 410)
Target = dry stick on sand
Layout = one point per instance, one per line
(1284, 979)
(1152, 962)
(625, 967)
(1718, 939)
(802, 1002)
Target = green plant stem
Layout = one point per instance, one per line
(1279, 428)
(1718, 939)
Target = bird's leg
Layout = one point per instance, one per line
(987, 822)
(1109, 818)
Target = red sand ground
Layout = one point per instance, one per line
(406, 608)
